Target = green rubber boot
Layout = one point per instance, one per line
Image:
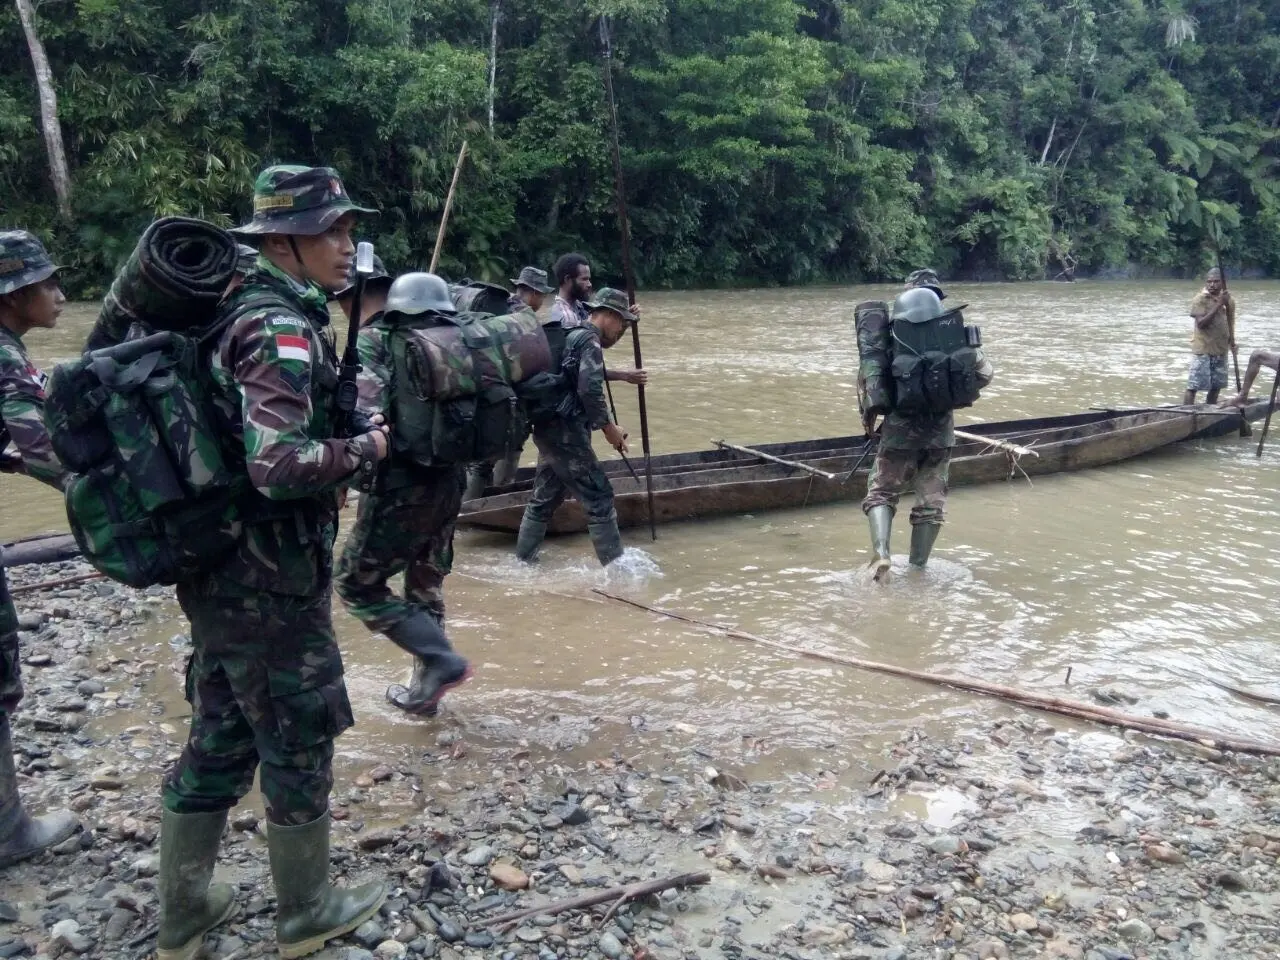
(22, 835)
(881, 520)
(532, 533)
(607, 540)
(309, 911)
(190, 906)
(922, 537)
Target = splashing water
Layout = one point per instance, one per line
(634, 564)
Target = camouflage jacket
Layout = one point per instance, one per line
(22, 412)
(275, 372)
(582, 363)
(568, 315)
(376, 368)
(929, 432)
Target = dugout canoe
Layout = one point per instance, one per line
(721, 482)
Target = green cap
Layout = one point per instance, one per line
(304, 201)
(607, 298)
(23, 261)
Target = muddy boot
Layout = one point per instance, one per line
(922, 537)
(607, 539)
(881, 520)
(436, 668)
(479, 476)
(189, 905)
(532, 533)
(310, 912)
(21, 835)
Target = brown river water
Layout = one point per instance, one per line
(1160, 574)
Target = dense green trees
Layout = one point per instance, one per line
(775, 141)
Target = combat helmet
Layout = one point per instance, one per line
(415, 293)
(917, 305)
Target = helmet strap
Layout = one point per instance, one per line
(297, 255)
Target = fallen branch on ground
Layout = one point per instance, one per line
(615, 895)
(52, 584)
(1066, 708)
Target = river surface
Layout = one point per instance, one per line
(1160, 574)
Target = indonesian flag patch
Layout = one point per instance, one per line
(290, 347)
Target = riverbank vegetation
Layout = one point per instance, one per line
(764, 141)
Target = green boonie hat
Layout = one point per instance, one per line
(304, 201)
(607, 298)
(928, 278)
(534, 279)
(23, 261)
(379, 273)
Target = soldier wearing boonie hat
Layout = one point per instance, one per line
(926, 277)
(265, 678)
(29, 297)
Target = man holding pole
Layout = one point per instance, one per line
(567, 463)
(1212, 338)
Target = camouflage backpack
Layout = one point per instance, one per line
(455, 383)
(154, 499)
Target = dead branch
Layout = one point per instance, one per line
(631, 891)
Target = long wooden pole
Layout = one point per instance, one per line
(1266, 424)
(750, 451)
(1067, 708)
(1245, 429)
(448, 205)
(624, 227)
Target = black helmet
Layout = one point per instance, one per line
(415, 293)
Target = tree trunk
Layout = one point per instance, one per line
(494, 12)
(48, 109)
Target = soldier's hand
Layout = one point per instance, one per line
(617, 437)
(638, 377)
(381, 436)
(869, 424)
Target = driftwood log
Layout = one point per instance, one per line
(52, 548)
(616, 896)
(1066, 708)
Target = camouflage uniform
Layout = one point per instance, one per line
(23, 261)
(567, 462)
(405, 527)
(265, 681)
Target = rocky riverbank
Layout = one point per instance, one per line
(1019, 839)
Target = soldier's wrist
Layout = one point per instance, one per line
(364, 452)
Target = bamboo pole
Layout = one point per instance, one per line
(1066, 708)
(751, 452)
(448, 206)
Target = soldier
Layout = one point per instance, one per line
(1212, 337)
(914, 449)
(265, 678)
(567, 463)
(531, 294)
(29, 298)
(406, 526)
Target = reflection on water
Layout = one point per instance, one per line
(1158, 574)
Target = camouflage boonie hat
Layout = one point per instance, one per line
(23, 261)
(607, 298)
(534, 279)
(379, 273)
(928, 278)
(303, 201)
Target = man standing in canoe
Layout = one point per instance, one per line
(918, 432)
(1212, 338)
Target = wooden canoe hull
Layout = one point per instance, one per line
(711, 483)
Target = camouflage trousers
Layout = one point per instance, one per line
(568, 464)
(896, 471)
(407, 530)
(265, 687)
(10, 664)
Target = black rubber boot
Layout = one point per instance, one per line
(189, 905)
(881, 521)
(309, 911)
(479, 477)
(21, 835)
(532, 533)
(436, 668)
(607, 539)
(922, 537)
